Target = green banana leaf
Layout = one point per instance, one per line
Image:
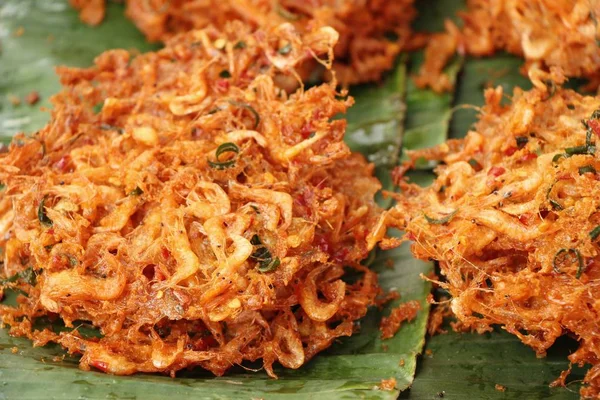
(352, 368)
(479, 74)
(459, 366)
(429, 113)
(375, 123)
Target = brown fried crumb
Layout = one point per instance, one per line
(500, 388)
(32, 98)
(404, 312)
(388, 384)
(14, 100)
(389, 296)
(14, 350)
(19, 31)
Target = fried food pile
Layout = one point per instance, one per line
(191, 209)
(372, 32)
(547, 33)
(513, 219)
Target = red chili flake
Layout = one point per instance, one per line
(32, 98)
(322, 244)
(165, 253)
(50, 231)
(510, 151)
(496, 171)
(197, 132)
(565, 176)
(317, 114)
(205, 343)
(525, 219)
(63, 163)
(340, 255)
(306, 130)
(594, 125)
(411, 236)
(222, 85)
(528, 156)
(101, 365)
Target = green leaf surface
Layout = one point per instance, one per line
(429, 113)
(469, 366)
(376, 122)
(479, 74)
(38, 35)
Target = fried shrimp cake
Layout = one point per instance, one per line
(372, 32)
(189, 208)
(513, 219)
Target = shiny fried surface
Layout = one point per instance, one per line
(546, 33)
(372, 32)
(512, 218)
(191, 209)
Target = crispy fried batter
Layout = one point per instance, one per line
(91, 12)
(201, 217)
(547, 33)
(513, 220)
(372, 32)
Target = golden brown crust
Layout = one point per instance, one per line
(201, 217)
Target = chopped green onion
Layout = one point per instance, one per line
(263, 256)
(476, 166)
(107, 127)
(285, 49)
(594, 233)
(287, 14)
(240, 45)
(562, 254)
(576, 150)
(27, 276)
(391, 36)
(42, 217)
(2, 186)
(551, 88)
(555, 204)
(136, 192)
(440, 221)
(521, 141)
(586, 169)
(98, 107)
(249, 108)
(224, 148)
(72, 260)
(558, 157)
(225, 74)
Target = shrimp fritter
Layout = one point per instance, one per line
(513, 219)
(191, 209)
(547, 33)
(372, 32)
